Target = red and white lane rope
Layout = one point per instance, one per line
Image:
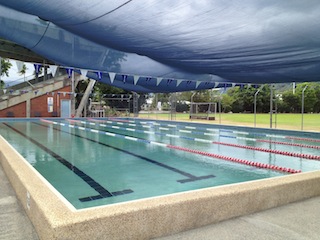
(237, 160)
(260, 149)
(212, 155)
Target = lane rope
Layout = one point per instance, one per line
(260, 149)
(289, 144)
(212, 155)
(141, 123)
(303, 139)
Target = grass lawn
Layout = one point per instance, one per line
(280, 121)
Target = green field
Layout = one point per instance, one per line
(280, 121)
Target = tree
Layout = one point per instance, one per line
(316, 104)
(160, 97)
(309, 96)
(2, 84)
(23, 72)
(263, 99)
(226, 103)
(101, 88)
(292, 102)
(184, 96)
(100, 91)
(236, 99)
(5, 66)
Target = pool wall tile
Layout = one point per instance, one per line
(55, 218)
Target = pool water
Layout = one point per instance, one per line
(97, 162)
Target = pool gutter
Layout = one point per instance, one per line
(55, 218)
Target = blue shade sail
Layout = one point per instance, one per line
(170, 46)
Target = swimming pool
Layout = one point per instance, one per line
(96, 162)
(140, 179)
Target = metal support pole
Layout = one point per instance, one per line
(255, 105)
(135, 104)
(45, 71)
(191, 106)
(302, 106)
(193, 96)
(220, 108)
(271, 105)
(72, 96)
(0, 72)
(173, 106)
(156, 105)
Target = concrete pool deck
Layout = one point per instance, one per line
(293, 221)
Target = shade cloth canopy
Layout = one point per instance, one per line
(170, 46)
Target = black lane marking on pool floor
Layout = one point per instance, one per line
(190, 177)
(103, 193)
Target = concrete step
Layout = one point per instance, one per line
(5, 97)
(18, 96)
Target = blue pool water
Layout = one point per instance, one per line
(96, 162)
